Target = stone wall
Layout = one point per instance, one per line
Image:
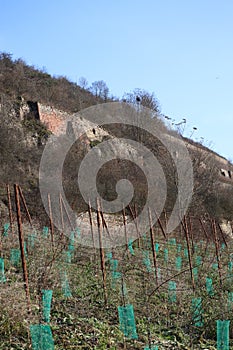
(52, 118)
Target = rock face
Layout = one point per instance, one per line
(90, 136)
(52, 118)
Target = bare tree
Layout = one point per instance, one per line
(144, 98)
(99, 89)
(83, 83)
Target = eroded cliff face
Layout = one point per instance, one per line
(40, 121)
(55, 121)
(52, 118)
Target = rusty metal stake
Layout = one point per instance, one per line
(185, 228)
(102, 258)
(25, 205)
(161, 225)
(21, 242)
(153, 246)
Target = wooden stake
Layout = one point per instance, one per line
(25, 205)
(161, 226)
(185, 227)
(104, 224)
(191, 233)
(10, 207)
(102, 259)
(91, 223)
(21, 242)
(93, 239)
(153, 246)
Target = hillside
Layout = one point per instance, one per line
(34, 104)
(173, 286)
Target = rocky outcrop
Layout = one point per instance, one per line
(52, 118)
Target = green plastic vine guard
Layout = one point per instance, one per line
(223, 246)
(71, 248)
(178, 263)
(151, 348)
(223, 334)
(172, 291)
(130, 246)
(178, 248)
(127, 321)
(186, 254)
(166, 255)
(209, 286)
(172, 241)
(157, 247)
(215, 266)
(72, 237)
(195, 273)
(71, 242)
(198, 260)
(146, 260)
(197, 312)
(230, 264)
(230, 300)
(31, 240)
(41, 336)
(65, 285)
(15, 257)
(114, 267)
(2, 272)
(45, 231)
(108, 256)
(46, 304)
(6, 229)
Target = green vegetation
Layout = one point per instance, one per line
(171, 314)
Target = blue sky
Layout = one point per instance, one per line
(181, 50)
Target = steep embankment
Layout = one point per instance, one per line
(33, 104)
